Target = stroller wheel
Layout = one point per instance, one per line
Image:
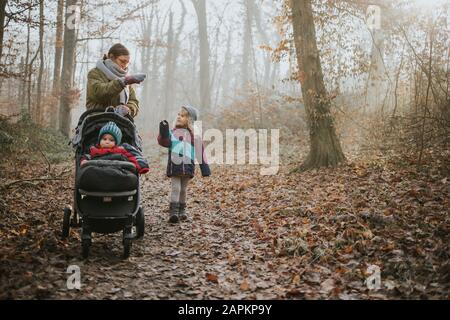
(126, 248)
(85, 246)
(66, 223)
(75, 221)
(140, 223)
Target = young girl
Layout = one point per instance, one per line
(184, 148)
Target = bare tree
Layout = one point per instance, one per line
(173, 41)
(325, 148)
(205, 95)
(377, 73)
(24, 70)
(70, 42)
(57, 64)
(58, 47)
(42, 63)
(226, 75)
(169, 92)
(247, 40)
(3, 4)
(264, 38)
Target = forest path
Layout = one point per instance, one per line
(310, 235)
(217, 254)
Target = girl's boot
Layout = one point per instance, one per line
(182, 213)
(173, 212)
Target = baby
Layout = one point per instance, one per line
(109, 140)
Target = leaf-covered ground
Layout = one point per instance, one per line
(310, 235)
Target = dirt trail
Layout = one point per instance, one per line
(184, 261)
(306, 235)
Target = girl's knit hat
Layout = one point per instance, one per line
(112, 129)
(193, 112)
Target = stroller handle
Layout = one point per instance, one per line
(108, 109)
(113, 109)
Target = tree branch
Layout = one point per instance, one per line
(7, 185)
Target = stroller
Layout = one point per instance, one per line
(106, 194)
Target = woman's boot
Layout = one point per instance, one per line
(182, 213)
(173, 212)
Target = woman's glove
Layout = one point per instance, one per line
(134, 78)
(164, 129)
(123, 110)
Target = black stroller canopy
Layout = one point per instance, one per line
(91, 122)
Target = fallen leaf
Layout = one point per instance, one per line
(327, 285)
(244, 286)
(348, 249)
(212, 278)
(294, 293)
(181, 283)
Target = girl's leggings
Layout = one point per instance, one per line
(179, 188)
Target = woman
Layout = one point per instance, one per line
(109, 83)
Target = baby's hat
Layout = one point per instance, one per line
(112, 129)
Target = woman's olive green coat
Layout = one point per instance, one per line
(102, 93)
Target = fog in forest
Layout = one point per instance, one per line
(351, 98)
(246, 51)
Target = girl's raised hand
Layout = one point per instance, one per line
(164, 128)
(164, 125)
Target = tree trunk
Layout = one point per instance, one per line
(2, 23)
(173, 41)
(39, 109)
(377, 73)
(2, 32)
(205, 95)
(56, 88)
(169, 90)
(227, 74)
(21, 89)
(29, 71)
(58, 47)
(274, 74)
(257, 12)
(24, 109)
(146, 116)
(154, 85)
(67, 70)
(325, 148)
(245, 67)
